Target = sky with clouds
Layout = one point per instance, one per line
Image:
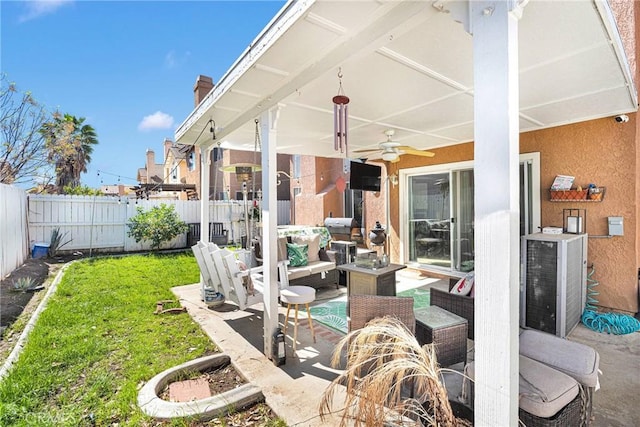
(128, 67)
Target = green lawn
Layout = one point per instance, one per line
(98, 341)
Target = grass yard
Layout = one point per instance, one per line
(98, 341)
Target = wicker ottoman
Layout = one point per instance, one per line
(579, 361)
(447, 331)
(548, 398)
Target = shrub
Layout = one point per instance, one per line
(24, 284)
(81, 190)
(56, 241)
(158, 225)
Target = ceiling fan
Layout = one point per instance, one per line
(391, 151)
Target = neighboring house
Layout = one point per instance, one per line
(169, 180)
(152, 172)
(224, 183)
(116, 190)
(178, 177)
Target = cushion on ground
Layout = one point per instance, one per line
(543, 391)
(312, 241)
(577, 360)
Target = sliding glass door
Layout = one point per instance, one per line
(439, 206)
(462, 241)
(429, 219)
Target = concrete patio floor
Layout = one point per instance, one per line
(294, 390)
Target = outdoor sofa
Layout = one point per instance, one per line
(320, 268)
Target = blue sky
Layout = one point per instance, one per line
(127, 67)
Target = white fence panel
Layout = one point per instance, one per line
(95, 223)
(284, 212)
(14, 239)
(86, 222)
(231, 214)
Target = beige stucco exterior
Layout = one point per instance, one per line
(602, 151)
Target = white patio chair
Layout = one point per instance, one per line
(237, 291)
(223, 273)
(208, 272)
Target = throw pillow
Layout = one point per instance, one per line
(298, 254)
(464, 285)
(282, 249)
(311, 240)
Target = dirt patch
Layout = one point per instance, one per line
(16, 307)
(13, 302)
(220, 379)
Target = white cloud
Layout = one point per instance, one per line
(157, 120)
(172, 60)
(38, 8)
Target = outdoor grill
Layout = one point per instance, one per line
(346, 229)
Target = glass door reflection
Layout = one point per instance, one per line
(429, 219)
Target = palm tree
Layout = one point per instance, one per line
(70, 144)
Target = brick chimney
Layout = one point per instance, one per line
(204, 85)
(167, 145)
(151, 160)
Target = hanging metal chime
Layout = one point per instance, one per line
(340, 117)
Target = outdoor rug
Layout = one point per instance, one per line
(333, 313)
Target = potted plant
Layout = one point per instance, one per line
(388, 372)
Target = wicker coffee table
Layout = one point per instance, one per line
(446, 330)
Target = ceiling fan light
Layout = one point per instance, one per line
(389, 156)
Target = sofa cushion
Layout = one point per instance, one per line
(577, 360)
(282, 249)
(298, 254)
(312, 241)
(294, 273)
(320, 266)
(543, 391)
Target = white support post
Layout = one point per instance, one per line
(204, 193)
(204, 205)
(268, 121)
(494, 26)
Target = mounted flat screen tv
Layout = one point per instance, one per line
(365, 177)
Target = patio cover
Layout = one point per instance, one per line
(412, 67)
(408, 66)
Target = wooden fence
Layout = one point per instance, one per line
(14, 242)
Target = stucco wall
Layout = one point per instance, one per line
(319, 195)
(376, 207)
(600, 151)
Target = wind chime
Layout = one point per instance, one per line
(340, 116)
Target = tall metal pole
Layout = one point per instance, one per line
(246, 214)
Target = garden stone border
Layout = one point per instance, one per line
(202, 409)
